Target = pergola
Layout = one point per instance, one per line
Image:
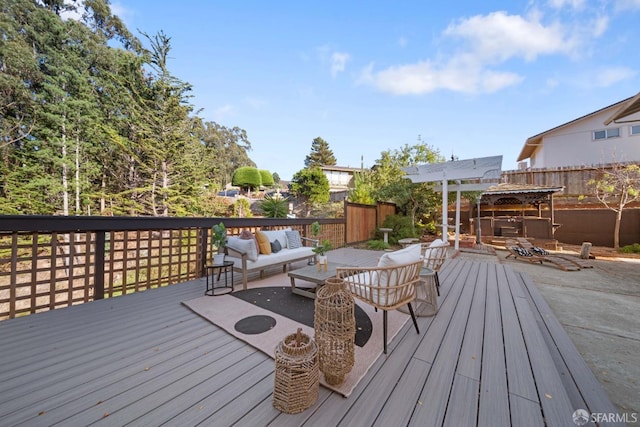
(479, 169)
(521, 195)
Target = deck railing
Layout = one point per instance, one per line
(47, 262)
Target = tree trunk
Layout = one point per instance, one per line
(65, 178)
(616, 230)
(103, 187)
(132, 183)
(165, 189)
(78, 211)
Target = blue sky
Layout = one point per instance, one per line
(471, 79)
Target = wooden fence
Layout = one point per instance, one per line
(362, 220)
(574, 179)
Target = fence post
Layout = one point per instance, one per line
(204, 243)
(98, 284)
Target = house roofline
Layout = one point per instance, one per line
(534, 141)
(629, 108)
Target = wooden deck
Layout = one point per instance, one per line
(494, 355)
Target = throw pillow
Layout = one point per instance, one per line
(263, 243)
(293, 239)
(278, 235)
(247, 235)
(275, 246)
(244, 245)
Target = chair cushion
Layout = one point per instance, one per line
(437, 242)
(539, 251)
(407, 255)
(521, 251)
(263, 243)
(244, 245)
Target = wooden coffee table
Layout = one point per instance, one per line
(311, 274)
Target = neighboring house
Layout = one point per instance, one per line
(609, 135)
(340, 181)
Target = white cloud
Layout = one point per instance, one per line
(256, 103)
(609, 76)
(499, 37)
(458, 75)
(559, 4)
(487, 42)
(222, 112)
(338, 62)
(402, 42)
(621, 5)
(600, 25)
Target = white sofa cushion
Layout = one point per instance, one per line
(244, 245)
(280, 235)
(282, 257)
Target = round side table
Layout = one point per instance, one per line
(226, 267)
(426, 301)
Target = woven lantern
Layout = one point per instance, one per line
(335, 328)
(297, 377)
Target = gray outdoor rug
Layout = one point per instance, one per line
(263, 327)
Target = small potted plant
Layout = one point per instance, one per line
(219, 240)
(315, 228)
(315, 231)
(321, 251)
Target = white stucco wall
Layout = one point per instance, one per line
(573, 144)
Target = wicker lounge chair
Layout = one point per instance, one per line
(385, 288)
(434, 255)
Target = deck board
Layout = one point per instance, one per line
(493, 355)
(493, 407)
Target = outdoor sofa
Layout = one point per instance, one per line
(268, 248)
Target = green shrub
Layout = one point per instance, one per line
(266, 177)
(631, 249)
(242, 208)
(378, 245)
(246, 177)
(401, 226)
(274, 207)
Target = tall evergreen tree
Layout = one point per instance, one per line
(92, 122)
(321, 154)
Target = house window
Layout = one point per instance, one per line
(606, 133)
(634, 130)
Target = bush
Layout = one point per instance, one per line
(631, 249)
(274, 207)
(246, 177)
(378, 245)
(401, 226)
(242, 208)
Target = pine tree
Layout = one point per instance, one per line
(321, 154)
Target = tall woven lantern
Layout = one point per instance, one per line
(297, 377)
(335, 328)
